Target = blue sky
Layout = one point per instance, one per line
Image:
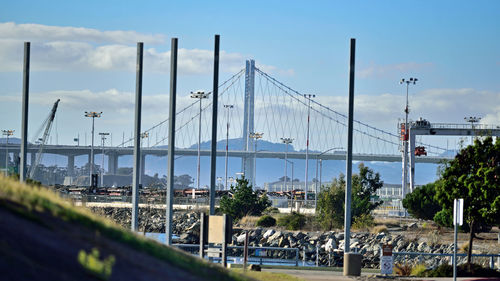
(451, 46)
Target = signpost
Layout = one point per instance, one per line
(458, 219)
(386, 260)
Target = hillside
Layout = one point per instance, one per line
(43, 237)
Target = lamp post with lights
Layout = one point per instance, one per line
(103, 139)
(308, 97)
(472, 120)
(228, 107)
(93, 115)
(7, 134)
(199, 95)
(408, 82)
(255, 136)
(286, 141)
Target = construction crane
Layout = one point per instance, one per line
(43, 140)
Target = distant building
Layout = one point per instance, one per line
(280, 186)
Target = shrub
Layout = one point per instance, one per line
(364, 221)
(248, 221)
(245, 201)
(271, 210)
(293, 221)
(101, 269)
(418, 270)
(378, 229)
(266, 221)
(402, 269)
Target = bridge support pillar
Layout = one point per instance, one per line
(412, 161)
(248, 119)
(112, 163)
(71, 165)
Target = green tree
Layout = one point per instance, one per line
(245, 201)
(421, 203)
(474, 175)
(330, 208)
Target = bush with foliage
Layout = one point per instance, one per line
(293, 221)
(330, 207)
(463, 270)
(474, 175)
(245, 201)
(266, 221)
(421, 203)
(365, 221)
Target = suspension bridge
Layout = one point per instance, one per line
(259, 104)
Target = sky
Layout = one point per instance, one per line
(84, 52)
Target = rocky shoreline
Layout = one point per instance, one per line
(327, 244)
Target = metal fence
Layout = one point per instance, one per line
(256, 255)
(477, 258)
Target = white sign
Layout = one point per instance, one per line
(458, 211)
(386, 264)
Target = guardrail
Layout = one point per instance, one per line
(256, 255)
(421, 255)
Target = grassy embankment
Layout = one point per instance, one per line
(29, 202)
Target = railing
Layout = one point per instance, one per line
(256, 255)
(464, 126)
(421, 256)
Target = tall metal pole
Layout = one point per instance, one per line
(213, 151)
(103, 139)
(286, 141)
(199, 95)
(228, 107)
(405, 137)
(137, 138)
(171, 141)
(320, 171)
(7, 133)
(91, 168)
(347, 215)
(308, 97)
(24, 121)
(255, 137)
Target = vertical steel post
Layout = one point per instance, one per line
(203, 219)
(137, 138)
(91, 168)
(24, 122)
(347, 215)
(286, 159)
(213, 152)
(171, 141)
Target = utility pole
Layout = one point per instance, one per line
(199, 95)
(24, 119)
(308, 97)
(228, 107)
(286, 141)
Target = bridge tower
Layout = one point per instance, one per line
(247, 164)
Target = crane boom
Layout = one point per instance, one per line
(45, 137)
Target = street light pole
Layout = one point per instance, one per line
(291, 192)
(286, 141)
(308, 97)
(103, 138)
(92, 114)
(199, 95)
(255, 136)
(7, 133)
(405, 136)
(228, 107)
(472, 120)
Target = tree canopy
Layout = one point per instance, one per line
(331, 198)
(474, 175)
(421, 203)
(245, 201)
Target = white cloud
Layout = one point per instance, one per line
(379, 71)
(56, 48)
(45, 33)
